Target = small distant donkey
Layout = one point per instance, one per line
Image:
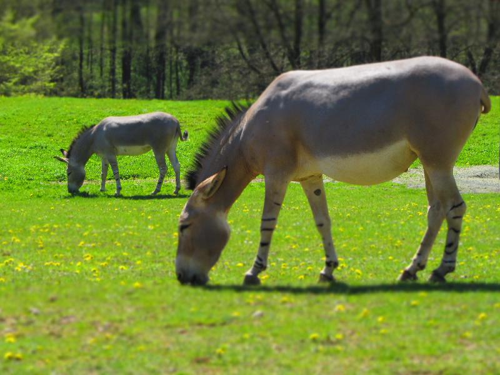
(127, 135)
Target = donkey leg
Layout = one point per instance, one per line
(455, 209)
(114, 167)
(104, 174)
(435, 217)
(315, 192)
(445, 202)
(172, 156)
(275, 193)
(162, 166)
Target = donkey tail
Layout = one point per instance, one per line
(485, 101)
(182, 136)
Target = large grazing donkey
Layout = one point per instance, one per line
(127, 135)
(362, 125)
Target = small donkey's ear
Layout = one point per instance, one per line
(64, 152)
(207, 188)
(64, 160)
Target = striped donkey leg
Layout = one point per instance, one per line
(114, 167)
(455, 211)
(275, 193)
(315, 192)
(104, 174)
(435, 217)
(162, 166)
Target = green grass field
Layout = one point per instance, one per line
(87, 284)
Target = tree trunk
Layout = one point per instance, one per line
(102, 40)
(81, 54)
(112, 49)
(440, 11)
(322, 19)
(177, 73)
(376, 27)
(192, 51)
(90, 48)
(274, 6)
(492, 37)
(170, 76)
(126, 53)
(147, 54)
(260, 37)
(297, 40)
(161, 48)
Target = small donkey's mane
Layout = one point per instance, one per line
(224, 122)
(82, 131)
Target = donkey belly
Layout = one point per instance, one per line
(369, 168)
(132, 150)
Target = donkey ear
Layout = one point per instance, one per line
(64, 160)
(64, 152)
(207, 188)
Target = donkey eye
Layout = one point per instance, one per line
(69, 173)
(183, 226)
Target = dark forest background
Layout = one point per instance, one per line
(189, 49)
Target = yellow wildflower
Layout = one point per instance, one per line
(340, 308)
(10, 356)
(466, 335)
(313, 336)
(10, 338)
(364, 313)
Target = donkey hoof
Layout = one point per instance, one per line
(176, 192)
(324, 278)
(118, 194)
(251, 280)
(436, 278)
(407, 276)
(102, 190)
(155, 192)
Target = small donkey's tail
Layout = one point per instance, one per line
(182, 136)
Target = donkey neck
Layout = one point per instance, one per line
(83, 148)
(228, 155)
(237, 179)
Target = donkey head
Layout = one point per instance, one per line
(76, 173)
(203, 233)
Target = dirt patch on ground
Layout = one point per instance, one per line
(477, 179)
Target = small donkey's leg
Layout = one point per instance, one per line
(104, 174)
(114, 167)
(275, 193)
(315, 192)
(177, 168)
(162, 166)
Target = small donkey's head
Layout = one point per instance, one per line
(203, 233)
(75, 172)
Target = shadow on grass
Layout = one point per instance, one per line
(125, 197)
(151, 197)
(341, 288)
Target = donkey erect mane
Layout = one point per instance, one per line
(225, 123)
(82, 131)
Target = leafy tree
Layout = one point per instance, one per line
(26, 65)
